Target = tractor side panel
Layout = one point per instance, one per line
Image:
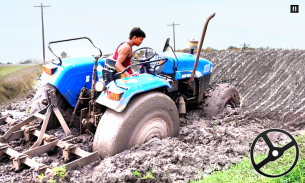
(69, 78)
(135, 85)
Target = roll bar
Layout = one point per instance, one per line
(73, 39)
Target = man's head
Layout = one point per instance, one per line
(137, 35)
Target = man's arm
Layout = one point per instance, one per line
(123, 53)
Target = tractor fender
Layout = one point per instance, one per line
(134, 85)
(69, 78)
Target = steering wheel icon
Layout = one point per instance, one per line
(274, 152)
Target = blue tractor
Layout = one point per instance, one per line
(89, 94)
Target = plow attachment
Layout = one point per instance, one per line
(25, 129)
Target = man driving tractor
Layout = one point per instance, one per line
(124, 52)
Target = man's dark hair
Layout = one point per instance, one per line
(136, 31)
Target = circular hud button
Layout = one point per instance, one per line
(274, 152)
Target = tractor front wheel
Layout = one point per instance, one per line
(147, 115)
(41, 95)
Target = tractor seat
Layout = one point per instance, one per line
(109, 71)
(110, 63)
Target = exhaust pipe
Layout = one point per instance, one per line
(191, 80)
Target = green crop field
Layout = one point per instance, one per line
(17, 80)
(5, 70)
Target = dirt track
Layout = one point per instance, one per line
(270, 83)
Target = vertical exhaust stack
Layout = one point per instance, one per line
(193, 44)
(191, 80)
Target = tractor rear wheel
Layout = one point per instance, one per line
(147, 115)
(222, 95)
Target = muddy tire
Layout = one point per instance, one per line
(147, 115)
(222, 95)
(40, 95)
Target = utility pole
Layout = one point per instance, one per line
(173, 33)
(42, 30)
(245, 45)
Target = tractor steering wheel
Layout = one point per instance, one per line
(144, 54)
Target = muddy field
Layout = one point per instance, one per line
(270, 81)
(270, 84)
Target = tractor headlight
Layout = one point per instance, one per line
(100, 85)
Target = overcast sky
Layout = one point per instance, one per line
(260, 23)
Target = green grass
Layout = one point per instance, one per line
(41, 176)
(136, 173)
(148, 175)
(244, 172)
(61, 172)
(9, 69)
(18, 82)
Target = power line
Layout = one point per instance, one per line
(173, 32)
(42, 29)
(190, 29)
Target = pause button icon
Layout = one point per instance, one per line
(294, 8)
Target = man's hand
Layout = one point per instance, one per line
(135, 74)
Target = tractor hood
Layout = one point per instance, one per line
(185, 65)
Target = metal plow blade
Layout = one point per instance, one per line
(24, 129)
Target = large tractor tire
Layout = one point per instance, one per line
(219, 98)
(37, 104)
(40, 95)
(147, 115)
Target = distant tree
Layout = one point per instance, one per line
(26, 62)
(9, 63)
(211, 48)
(231, 47)
(30, 61)
(35, 61)
(186, 50)
(260, 48)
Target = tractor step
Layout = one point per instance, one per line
(26, 129)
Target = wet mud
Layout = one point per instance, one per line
(269, 100)
(269, 81)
